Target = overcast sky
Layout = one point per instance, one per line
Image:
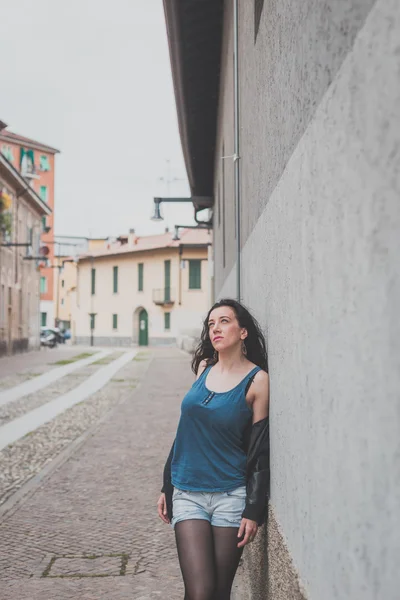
(93, 79)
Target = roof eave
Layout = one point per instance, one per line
(22, 188)
(194, 33)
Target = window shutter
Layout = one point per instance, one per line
(140, 277)
(194, 274)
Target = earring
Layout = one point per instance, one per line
(244, 349)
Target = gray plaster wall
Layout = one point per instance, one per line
(321, 271)
(283, 77)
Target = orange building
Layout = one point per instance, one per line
(36, 163)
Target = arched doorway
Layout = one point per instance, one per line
(143, 328)
(140, 330)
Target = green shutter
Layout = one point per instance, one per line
(43, 285)
(93, 281)
(7, 152)
(167, 321)
(92, 320)
(115, 321)
(115, 279)
(43, 319)
(194, 274)
(140, 277)
(43, 193)
(167, 280)
(44, 163)
(21, 156)
(44, 225)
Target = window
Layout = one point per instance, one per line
(26, 161)
(44, 223)
(115, 280)
(62, 301)
(7, 152)
(62, 282)
(92, 320)
(43, 285)
(43, 319)
(167, 280)
(93, 281)
(115, 321)
(3, 305)
(44, 163)
(167, 321)
(194, 274)
(29, 240)
(43, 193)
(140, 277)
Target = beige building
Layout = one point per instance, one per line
(142, 290)
(21, 214)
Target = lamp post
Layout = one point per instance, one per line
(157, 201)
(178, 227)
(199, 203)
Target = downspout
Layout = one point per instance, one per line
(236, 155)
(180, 274)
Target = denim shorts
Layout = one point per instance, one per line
(223, 509)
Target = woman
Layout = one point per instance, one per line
(216, 478)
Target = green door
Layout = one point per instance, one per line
(167, 280)
(143, 328)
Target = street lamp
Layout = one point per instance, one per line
(157, 201)
(199, 203)
(178, 227)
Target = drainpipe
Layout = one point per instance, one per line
(236, 155)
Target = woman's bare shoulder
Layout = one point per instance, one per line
(201, 368)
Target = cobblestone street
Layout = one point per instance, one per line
(88, 529)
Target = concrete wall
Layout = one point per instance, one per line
(320, 135)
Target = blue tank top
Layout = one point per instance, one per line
(208, 454)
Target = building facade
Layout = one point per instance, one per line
(67, 249)
(142, 290)
(36, 163)
(21, 214)
(290, 120)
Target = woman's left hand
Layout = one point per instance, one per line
(248, 529)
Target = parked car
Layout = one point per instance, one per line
(48, 337)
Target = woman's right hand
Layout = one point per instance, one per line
(162, 508)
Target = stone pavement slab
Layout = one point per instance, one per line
(100, 506)
(18, 363)
(38, 383)
(17, 428)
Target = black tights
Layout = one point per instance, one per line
(208, 557)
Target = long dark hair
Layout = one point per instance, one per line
(254, 342)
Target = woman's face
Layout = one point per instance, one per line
(224, 329)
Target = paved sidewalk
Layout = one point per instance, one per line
(17, 363)
(90, 531)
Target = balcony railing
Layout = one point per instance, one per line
(164, 296)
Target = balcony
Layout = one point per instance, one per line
(29, 171)
(164, 296)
